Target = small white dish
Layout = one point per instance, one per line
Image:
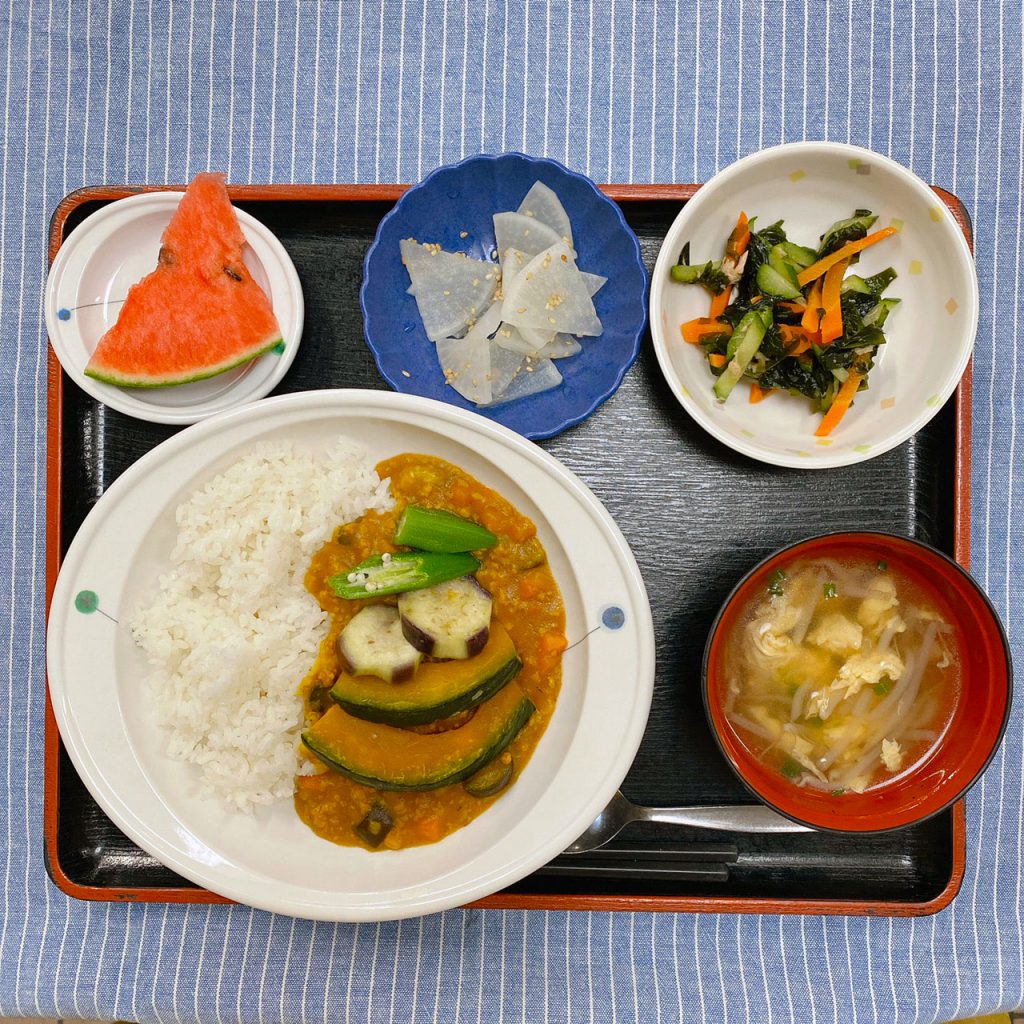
(809, 185)
(272, 860)
(113, 249)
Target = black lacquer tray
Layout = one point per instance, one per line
(697, 515)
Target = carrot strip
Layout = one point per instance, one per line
(830, 292)
(832, 321)
(758, 393)
(791, 307)
(796, 339)
(832, 325)
(839, 407)
(812, 313)
(720, 302)
(717, 360)
(815, 270)
(735, 247)
(695, 330)
(739, 239)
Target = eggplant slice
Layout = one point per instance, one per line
(373, 644)
(449, 620)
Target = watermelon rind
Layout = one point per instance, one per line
(153, 381)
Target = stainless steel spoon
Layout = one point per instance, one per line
(729, 818)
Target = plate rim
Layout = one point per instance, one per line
(501, 875)
(111, 395)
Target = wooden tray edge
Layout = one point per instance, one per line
(503, 901)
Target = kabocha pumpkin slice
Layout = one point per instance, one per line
(199, 312)
(439, 689)
(396, 759)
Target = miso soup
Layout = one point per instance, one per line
(841, 675)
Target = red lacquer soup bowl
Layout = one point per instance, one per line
(963, 749)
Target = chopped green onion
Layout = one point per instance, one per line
(883, 686)
(775, 582)
(830, 591)
(790, 768)
(882, 565)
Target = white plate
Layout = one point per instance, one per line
(810, 185)
(273, 860)
(113, 249)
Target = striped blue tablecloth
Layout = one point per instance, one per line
(384, 90)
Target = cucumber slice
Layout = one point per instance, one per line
(855, 283)
(747, 338)
(775, 283)
(451, 620)
(779, 260)
(876, 316)
(373, 644)
(799, 255)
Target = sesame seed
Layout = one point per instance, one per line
(406, 373)
(386, 557)
(447, 293)
(463, 234)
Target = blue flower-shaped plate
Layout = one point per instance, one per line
(453, 206)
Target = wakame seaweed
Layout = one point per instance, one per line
(806, 351)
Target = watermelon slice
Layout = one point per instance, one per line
(200, 312)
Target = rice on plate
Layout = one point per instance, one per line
(232, 630)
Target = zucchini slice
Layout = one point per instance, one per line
(396, 759)
(449, 620)
(373, 643)
(439, 689)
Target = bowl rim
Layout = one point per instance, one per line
(399, 384)
(930, 550)
(823, 460)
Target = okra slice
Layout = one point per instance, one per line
(396, 573)
(435, 529)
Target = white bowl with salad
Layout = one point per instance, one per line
(814, 305)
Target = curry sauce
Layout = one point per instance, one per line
(526, 601)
